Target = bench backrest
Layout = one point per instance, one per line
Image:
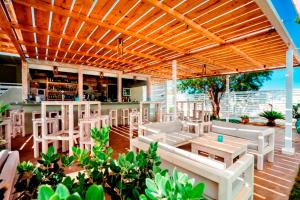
(238, 130)
(166, 127)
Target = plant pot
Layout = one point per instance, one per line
(245, 120)
(297, 125)
(271, 122)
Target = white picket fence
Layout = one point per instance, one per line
(249, 102)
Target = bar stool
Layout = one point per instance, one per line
(113, 117)
(133, 123)
(18, 123)
(104, 121)
(133, 110)
(36, 114)
(85, 139)
(125, 116)
(145, 114)
(37, 135)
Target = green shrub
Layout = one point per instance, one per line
(271, 116)
(296, 111)
(295, 192)
(123, 178)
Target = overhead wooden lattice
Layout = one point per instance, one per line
(225, 36)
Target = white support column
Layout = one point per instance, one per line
(80, 83)
(119, 87)
(288, 143)
(149, 82)
(25, 72)
(174, 85)
(227, 98)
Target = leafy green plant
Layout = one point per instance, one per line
(244, 117)
(3, 107)
(271, 116)
(45, 192)
(122, 178)
(296, 111)
(177, 186)
(298, 20)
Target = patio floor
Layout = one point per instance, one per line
(273, 183)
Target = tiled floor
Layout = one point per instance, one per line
(273, 183)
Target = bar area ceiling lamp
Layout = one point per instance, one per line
(120, 46)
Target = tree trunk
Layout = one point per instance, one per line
(215, 102)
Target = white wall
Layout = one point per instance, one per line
(138, 93)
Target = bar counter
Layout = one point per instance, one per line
(32, 106)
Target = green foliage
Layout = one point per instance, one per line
(177, 186)
(215, 86)
(236, 121)
(271, 116)
(296, 111)
(30, 177)
(45, 192)
(298, 20)
(123, 178)
(295, 192)
(244, 117)
(3, 107)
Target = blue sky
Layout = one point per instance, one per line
(277, 81)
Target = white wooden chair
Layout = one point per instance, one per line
(125, 116)
(104, 121)
(85, 126)
(146, 115)
(113, 117)
(37, 135)
(18, 123)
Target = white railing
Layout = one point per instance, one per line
(249, 102)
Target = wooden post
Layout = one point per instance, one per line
(24, 80)
(149, 89)
(174, 85)
(288, 143)
(119, 87)
(80, 83)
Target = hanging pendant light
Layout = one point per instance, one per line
(120, 46)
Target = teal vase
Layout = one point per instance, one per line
(298, 125)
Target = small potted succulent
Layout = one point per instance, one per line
(271, 116)
(245, 119)
(296, 115)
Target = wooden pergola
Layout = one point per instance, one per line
(143, 36)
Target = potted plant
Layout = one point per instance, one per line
(271, 116)
(3, 108)
(296, 115)
(245, 119)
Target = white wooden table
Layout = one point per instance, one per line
(229, 149)
(7, 131)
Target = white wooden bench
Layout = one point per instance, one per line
(260, 139)
(8, 168)
(232, 183)
(177, 132)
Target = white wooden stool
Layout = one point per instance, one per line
(104, 121)
(85, 139)
(36, 114)
(125, 116)
(146, 114)
(18, 123)
(113, 117)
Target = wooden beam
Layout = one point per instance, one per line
(64, 12)
(196, 27)
(80, 53)
(32, 29)
(40, 5)
(5, 26)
